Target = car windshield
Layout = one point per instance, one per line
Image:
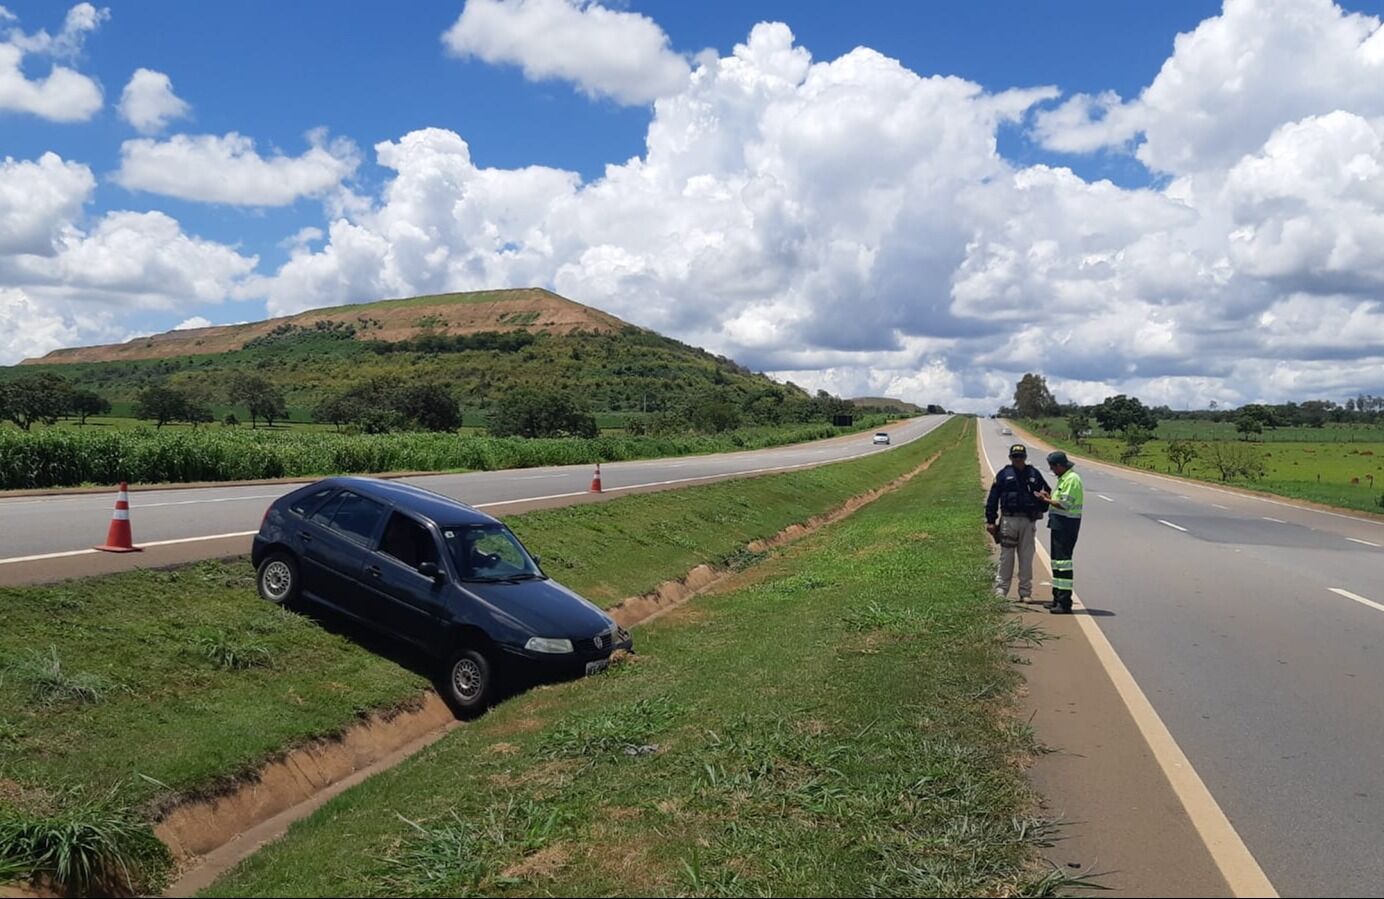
(489, 552)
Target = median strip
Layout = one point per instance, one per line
(176, 685)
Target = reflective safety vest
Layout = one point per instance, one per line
(1070, 493)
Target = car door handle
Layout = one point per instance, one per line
(373, 571)
(305, 536)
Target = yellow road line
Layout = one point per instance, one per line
(1236, 863)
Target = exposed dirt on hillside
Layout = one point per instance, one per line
(522, 309)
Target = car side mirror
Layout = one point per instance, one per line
(430, 569)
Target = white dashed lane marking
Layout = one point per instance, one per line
(1358, 598)
(1176, 527)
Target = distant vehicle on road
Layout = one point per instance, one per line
(1006, 432)
(881, 438)
(418, 566)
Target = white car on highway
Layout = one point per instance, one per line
(882, 438)
(1006, 432)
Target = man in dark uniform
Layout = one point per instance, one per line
(1011, 512)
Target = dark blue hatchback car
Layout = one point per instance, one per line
(437, 573)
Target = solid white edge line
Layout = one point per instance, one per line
(1232, 857)
(1176, 527)
(508, 502)
(1358, 598)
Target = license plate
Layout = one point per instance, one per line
(597, 666)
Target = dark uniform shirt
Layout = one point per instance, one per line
(1013, 493)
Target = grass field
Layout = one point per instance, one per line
(1320, 470)
(58, 457)
(119, 694)
(834, 723)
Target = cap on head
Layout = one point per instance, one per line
(1018, 449)
(1057, 457)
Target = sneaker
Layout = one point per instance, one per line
(1059, 610)
(1025, 599)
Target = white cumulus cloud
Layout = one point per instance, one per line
(1230, 82)
(605, 52)
(148, 102)
(228, 169)
(63, 94)
(38, 198)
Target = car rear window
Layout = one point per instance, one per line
(351, 514)
(306, 503)
(408, 541)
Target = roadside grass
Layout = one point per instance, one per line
(151, 686)
(836, 721)
(1319, 466)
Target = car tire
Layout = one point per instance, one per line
(277, 578)
(467, 681)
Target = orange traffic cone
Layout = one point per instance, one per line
(118, 538)
(596, 479)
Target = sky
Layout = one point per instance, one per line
(1184, 200)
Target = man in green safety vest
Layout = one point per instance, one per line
(1065, 505)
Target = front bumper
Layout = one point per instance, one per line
(566, 664)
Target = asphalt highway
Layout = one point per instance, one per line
(1256, 629)
(43, 528)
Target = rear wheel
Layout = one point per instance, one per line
(278, 578)
(468, 681)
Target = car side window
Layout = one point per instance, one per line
(355, 516)
(324, 513)
(408, 541)
(310, 501)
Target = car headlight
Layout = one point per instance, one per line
(548, 644)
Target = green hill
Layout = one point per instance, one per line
(478, 345)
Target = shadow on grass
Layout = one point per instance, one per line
(409, 657)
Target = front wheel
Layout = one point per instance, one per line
(468, 681)
(277, 578)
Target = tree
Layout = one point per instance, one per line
(1032, 398)
(259, 395)
(1180, 453)
(1120, 413)
(1135, 437)
(430, 406)
(1078, 424)
(540, 413)
(713, 415)
(161, 404)
(87, 402)
(41, 398)
(1234, 460)
(1248, 423)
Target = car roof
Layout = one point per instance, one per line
(442, 510)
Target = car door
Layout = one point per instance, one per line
(336, 543)
(405, 601)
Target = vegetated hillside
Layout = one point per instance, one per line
(886, 403)
(523, 309)
(480, 346)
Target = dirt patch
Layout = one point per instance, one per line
(194, 828)
(542, 865)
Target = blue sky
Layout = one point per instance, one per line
(370, 73)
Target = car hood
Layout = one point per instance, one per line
(546, 608)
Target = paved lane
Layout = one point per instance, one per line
(41, 526)
(1256, 629)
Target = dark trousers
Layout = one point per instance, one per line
(1064, 534)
